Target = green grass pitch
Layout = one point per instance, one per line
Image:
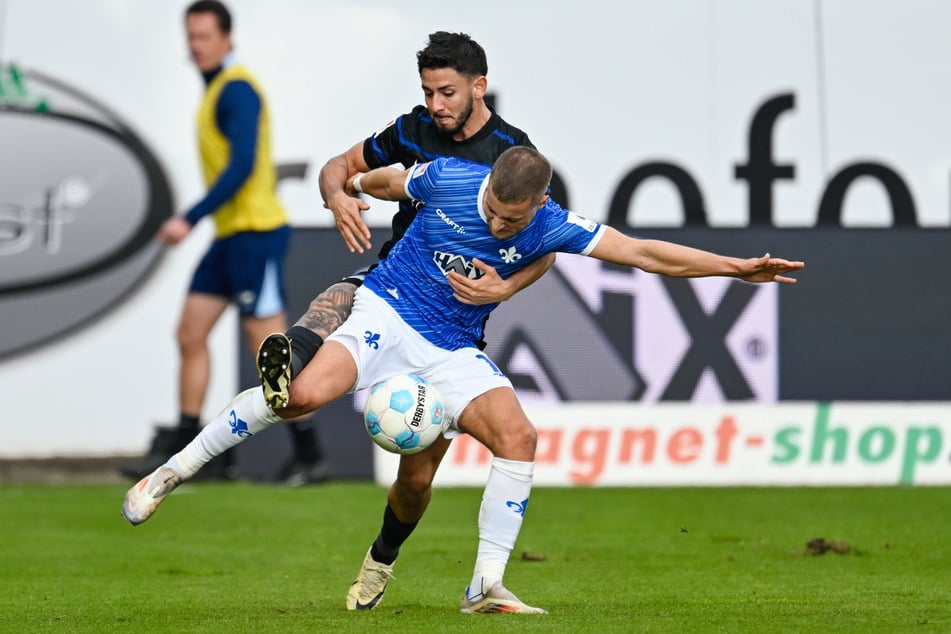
(238, 557)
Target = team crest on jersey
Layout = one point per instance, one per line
(510, 255)
(449, 262)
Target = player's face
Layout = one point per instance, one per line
(207, 43)
(507, 219)
(449, 98)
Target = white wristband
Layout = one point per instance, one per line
(356, 183)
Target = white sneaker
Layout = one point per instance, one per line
(494, 600)
(143, 499)
(367, 589)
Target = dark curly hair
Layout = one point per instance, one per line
(457, 51)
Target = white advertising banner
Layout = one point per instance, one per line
(803, 444)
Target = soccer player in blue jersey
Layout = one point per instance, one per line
(455, 121)
(245, 263)
(473, 217)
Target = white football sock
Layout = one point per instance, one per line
(246, 415)
(500, 519)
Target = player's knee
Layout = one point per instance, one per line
(301, 400)
(517, 442)
(414, 485)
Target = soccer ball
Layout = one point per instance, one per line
(404, 414)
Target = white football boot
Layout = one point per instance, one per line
(144, 498)
(494, 600)
(367, 589)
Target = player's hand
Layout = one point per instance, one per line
(769, 269)
(174, 230)
(348, 214)
(488, 289)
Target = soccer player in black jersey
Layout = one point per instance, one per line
(455, 121)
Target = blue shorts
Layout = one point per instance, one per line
(248, 269)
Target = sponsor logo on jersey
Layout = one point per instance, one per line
(449, 221)
(449, 262)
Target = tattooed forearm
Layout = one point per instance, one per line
(329, 309)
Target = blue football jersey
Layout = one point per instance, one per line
(449, 230)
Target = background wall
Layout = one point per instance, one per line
(752, 113)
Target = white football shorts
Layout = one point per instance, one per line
(383, 345)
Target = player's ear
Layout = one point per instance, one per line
(541, 203)
(479, 85)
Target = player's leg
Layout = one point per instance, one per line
(307, 464)
(332, 375)
(246, 415)
(282, 356)
(407, 500)
(497, 420)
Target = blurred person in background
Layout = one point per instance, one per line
(245, 263)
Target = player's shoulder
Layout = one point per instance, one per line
(557, 216)
(553, 213)
(449, 169)
(450, 165)
(462, 165)
(553, 210)
(505, 130)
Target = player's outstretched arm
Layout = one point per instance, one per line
(676, 260)
(347, 208)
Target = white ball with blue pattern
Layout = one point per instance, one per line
(404, 414)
